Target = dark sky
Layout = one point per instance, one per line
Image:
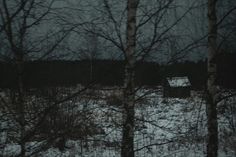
(183, 23)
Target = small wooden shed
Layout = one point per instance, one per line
(177, 87)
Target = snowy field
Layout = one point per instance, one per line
(166, 127)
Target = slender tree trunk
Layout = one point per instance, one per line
(212, 141)
(127, 149)
(20, 102)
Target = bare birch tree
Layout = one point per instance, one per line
(212, 141)
(127, 149)
(19, 21)
(146, 32)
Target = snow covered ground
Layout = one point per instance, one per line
(166, 127)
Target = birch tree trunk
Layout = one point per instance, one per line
(17, 47)
(212, 141)
(20, 102)
(127, 148)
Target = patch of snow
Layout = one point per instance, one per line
(172, 121)
(10, 150)
(179, 81)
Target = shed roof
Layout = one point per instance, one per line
(178, 81)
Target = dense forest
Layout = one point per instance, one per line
(110, 72)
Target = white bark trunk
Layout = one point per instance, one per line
(127, 149)
(20, 100)
(212, 141)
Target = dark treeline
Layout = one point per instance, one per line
(110, 72)
(63, 73)
(227, 70)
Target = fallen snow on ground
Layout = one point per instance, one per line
(167, 127)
